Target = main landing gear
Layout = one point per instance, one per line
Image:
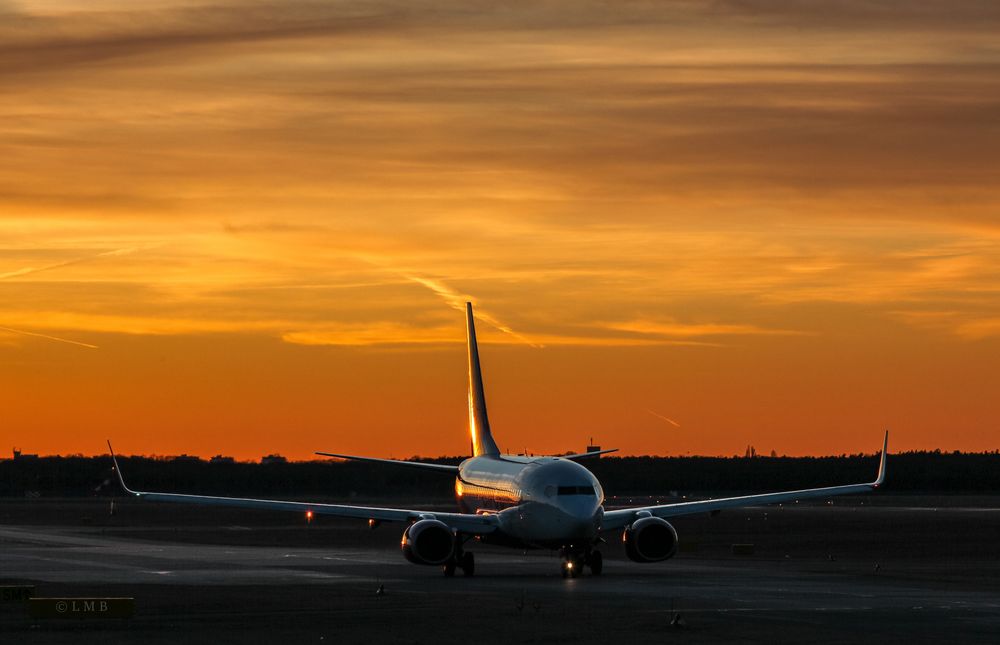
(574, 562)
(461, 559)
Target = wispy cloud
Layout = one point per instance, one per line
(979, 328)
(387, 333)
(142, 325)
(18, 273)
(673, 328)
(964, 324)
(47, 337)
(370, 335)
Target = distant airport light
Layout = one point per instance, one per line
(309, 516)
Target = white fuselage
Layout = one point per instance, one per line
(539, 501)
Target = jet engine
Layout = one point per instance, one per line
(428, 542)
(650, 539)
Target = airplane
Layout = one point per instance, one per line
(519, 501)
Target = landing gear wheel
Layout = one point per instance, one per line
(596, 563)
(468, 564)
(449, 568)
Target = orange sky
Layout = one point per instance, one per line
(246, 227)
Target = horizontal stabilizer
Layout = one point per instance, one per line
(592, 453)
(441, 468)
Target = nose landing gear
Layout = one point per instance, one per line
(574, 561)
(571, 567)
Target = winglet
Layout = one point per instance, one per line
(118, 471)
(881, 464)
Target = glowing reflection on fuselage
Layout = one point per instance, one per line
(525, 492)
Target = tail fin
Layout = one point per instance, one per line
(479, 424)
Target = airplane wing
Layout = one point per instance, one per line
(620, 518)
(467, 523)
(442, 468)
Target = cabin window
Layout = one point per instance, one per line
(576, 490)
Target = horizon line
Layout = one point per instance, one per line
(282, 459)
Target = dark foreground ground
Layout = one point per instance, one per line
(885, 569)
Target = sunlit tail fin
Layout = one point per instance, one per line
(479, 424)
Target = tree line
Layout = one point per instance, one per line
(620, 476)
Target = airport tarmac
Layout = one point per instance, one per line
(851, 573)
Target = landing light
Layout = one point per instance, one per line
(309, 516)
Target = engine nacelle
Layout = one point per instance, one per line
(428, 542)
(650, 539)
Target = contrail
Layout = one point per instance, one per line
(451, 297)
(660, 416)
(61, 340)
(457, 301)
(29, 270)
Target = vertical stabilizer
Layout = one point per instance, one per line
(479, 424)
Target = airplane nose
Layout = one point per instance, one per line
(582, 517)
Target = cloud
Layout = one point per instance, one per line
(967, 325)
(709, 109)
(47, 337)
(17, 273)
(402, 335)
(371, 334)
(742, 161)
(672, 328)
(897, 15)
(979, 329)
(122, 323)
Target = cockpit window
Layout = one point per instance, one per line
(576, 490)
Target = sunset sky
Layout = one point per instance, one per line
(249, 227)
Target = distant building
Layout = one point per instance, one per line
(273, 459)
(219, 459)
(186, 458)
(18, 455)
